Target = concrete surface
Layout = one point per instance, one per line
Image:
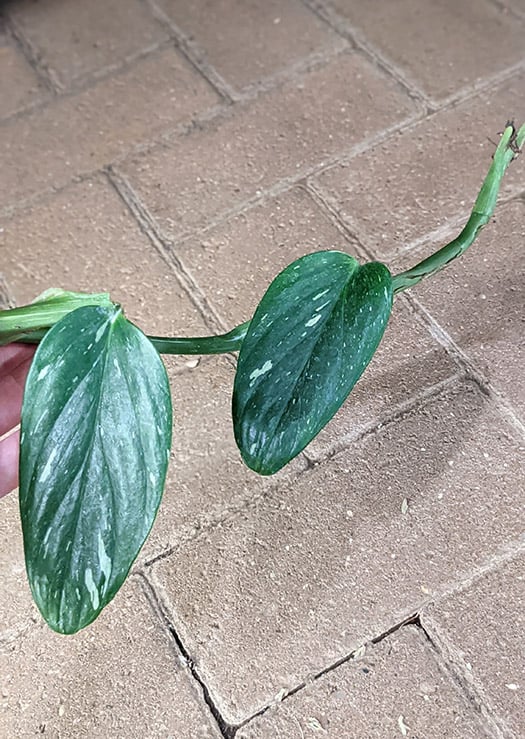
(178, 155)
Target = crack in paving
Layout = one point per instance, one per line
(492, 724)
(228, 730)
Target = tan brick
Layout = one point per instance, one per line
(441, 46)
(85, 239)
(277, 136)
(316, 569)
(480, 630)
(397, 685)
(246, 42)
(236, 261)
(422, 179)
(76, 38)
(82, 133)
(478, 300)
(19, 84)
(122, 676)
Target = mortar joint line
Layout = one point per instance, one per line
(324, 201)
(47, 76)
(508, 9)
(382, 421)
(508, 552)
(475, 88)
(7, 297)
(90, 79)
(294, 71)
(194, 54)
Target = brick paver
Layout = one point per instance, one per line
(179, 155)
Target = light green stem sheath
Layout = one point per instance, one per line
(508, 147)
(30, 323)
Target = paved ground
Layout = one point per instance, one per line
(179, 154)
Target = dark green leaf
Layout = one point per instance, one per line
(95, 439)
(311, 337)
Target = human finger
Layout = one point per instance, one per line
(15, 360)
(9, 463)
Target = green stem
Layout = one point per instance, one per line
(222, 344)
(508, 147)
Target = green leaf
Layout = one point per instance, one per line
(311, 337)
(95, 439)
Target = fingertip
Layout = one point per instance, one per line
(9, 463)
